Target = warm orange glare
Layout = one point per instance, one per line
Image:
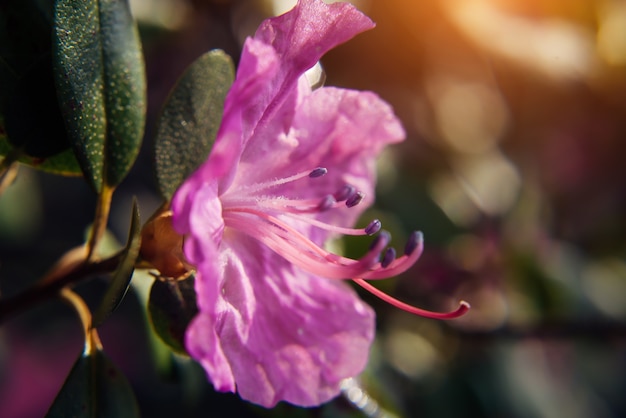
(552, 46)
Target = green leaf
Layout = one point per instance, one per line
(190, 119)
(94, 388)
(172, 306)
(124, 273)
(100, 80)
(32, 125)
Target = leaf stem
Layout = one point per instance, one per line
(100, 220)
(92, 339)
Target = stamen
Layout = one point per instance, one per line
(244, 209)
(318, 172)
(460, 311)
(380, 241)
(253, 188)
(414, 241)
(301, 251)
(389, 257)
(399, 265)
(329, 227)
(326, 203)
(344, 193)
(286, 206)
(355, 199)
(376, 247)
(373, 227)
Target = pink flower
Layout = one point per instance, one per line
(274, 321)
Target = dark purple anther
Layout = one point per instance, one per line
(384, 236)
(373, 227)
(318, 172)
(355, 199)
(388, 258)
(326, 203)
(345, 192)
(414, 240)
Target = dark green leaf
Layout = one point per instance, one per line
(124, 273)
(32, 117)
(190, 119)
(171, 307)
(94, 388)
(101, 84)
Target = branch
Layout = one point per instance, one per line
(68, 271)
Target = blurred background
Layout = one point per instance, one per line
(513, 168)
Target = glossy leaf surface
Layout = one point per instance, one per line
(31, 123)
(100, 80)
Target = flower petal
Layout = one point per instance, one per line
(204, 345)
(196, 209)
(302, 35)
(271, 64)
(202, 340)
(343, 130)
(300, 38)
(286, 335)
(245, 100)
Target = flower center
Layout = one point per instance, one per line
(277, 221)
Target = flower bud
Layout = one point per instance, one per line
(162, 246)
